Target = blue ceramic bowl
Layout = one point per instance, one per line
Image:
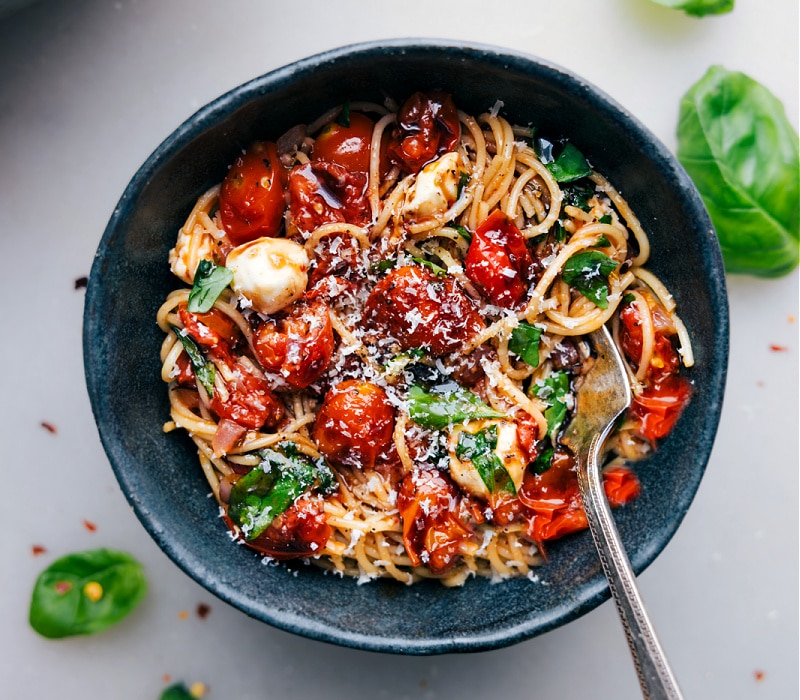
(159, 473)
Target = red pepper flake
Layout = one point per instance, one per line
(49, 427)
(203, 610)
(37, 549)
(89, 525)
(81, 282)
(758, 675)
(779, 348)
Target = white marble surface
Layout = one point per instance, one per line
(89, 88)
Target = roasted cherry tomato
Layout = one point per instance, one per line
(300, 531)
(621, 485)
(185, 376)
(430, 505)
(498, 261)
(421, 310)
(348, 146)
(212, 329)
(355, 424)
(247, 399)
(334, 255)
(427, 126)
(251, 199)
(660, 405)
(298, 346)
(323, 193)
(665, 359)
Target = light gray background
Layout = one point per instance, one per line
(89, 88)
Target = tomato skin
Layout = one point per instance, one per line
(324, 193)
(348, 146)
(419, 309)
(298, 346)
(251, 199)
(620, 485)
(665, 359)
(211, 329)
(427, 126)
(498, 261)
(429, 503)
(250, 401)
(660, 405)
(355, 424)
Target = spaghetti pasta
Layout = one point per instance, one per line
(428, 278)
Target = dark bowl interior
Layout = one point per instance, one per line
(159, 473)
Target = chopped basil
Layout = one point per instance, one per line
(203, 369)
(479, 448)
(543, 462)
(606, 219)
(524, 343)
(261, 495)
(466, 235)
(570, 165)
(588, 272)
(382, 265)
(210, 281)
(86, 592)
(343, 119)
(446, 404)
(628, 298)
(433, 267)
(553, 391)
(602, 242)
(463, 179)
(560, 232)
(578, 194)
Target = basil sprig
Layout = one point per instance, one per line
(479, 448)
(203, 369)
(524, 343)
(210, 281)
(553, 390)
(86, 592)
(446, 404)
(261, 495)
(588, 272)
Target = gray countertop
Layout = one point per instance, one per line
(90, 88)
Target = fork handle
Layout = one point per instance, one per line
(655, 675)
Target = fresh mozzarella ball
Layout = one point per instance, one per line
(189, 250)
(435, 189)
(507, 449)
(270, 272)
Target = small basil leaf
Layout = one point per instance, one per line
(178, 691)
(605, 219)
(553, 391)
(570, 165)
(382, 265)
(602, 242)
(524, 343)
(203, 370)
(698, 8)
(543, 462)
(628, 298)
(433, 267)
(578, 193)
(210, 281)
(446, 404)
(86, 592)
(738, 146)
(479, 448)
(466, 235)
(463, 179)
(588, 272)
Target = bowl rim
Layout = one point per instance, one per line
(205, 117)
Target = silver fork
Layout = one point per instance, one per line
(602, 398)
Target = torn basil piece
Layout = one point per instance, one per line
(524, 343)
(588, 272)
(210, 281)
(479, 448)
(553, 390)
(569, 165)
(543, 462)
(437, 270)
(203, 370)
(266, 491)
(446, 404)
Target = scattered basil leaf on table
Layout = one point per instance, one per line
(479, 448)
(203, 370)
(446, 404)
(569, 165)
(742, 153)
(86, 592)
(698, 8)
(178, 691)
(210, 281)
(524, 343)
(588, 272)
(266, 491)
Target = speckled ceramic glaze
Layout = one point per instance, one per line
(159, 473)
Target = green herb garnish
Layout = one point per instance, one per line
(605, 219)
(588, 272)
(343, 118)
(524, 343)
(446, 404)
(210, 281)
(433, 267)
(578, 194)
(383, 265)
(602, 242)
(466, 235)
(479, 448)
(553, 390)
(569, 165)
(463, 179)
(544, 461)
(203, 370)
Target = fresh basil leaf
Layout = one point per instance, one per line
(738, 146)
(178, 691)
(466, 235)
(433, 267)
(578, 194)
(544, 461)
(602, 242)
(698, 8)
(588, 272)
(553, 390)
(343, 118)
(210, 281)
(628, 298)
(479, 448)
(382, 265)
(86, 592)
(463, 179)
(446, 404)
(266, 491)
(570, 165)
(560, 232)
(524, 343)
(203, 369)
(605, 219)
